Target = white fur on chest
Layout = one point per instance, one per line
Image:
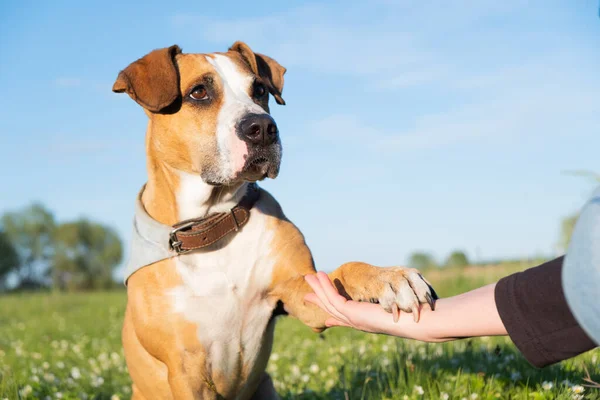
(224, 291)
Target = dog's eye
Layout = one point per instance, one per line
(199, 93)
(259, 90)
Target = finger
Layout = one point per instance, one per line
(330, 322)
(335, 298)
(314, 299)
(316, 285)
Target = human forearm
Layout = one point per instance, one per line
(466, 315)
(469, 314)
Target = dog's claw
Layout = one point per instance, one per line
(430, 301)
(395, 312)
(415, 312)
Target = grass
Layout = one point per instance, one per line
(68, 346)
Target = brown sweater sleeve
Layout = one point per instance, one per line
(534, 310)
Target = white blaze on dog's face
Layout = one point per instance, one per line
(209, 113)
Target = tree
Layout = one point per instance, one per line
(86, 255)
(457, 259)
(421, 260)
(31, 232)
(9, 259)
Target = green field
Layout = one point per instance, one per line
(68, 346)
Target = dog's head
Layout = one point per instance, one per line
(209, 113)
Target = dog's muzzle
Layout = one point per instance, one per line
(261, 134)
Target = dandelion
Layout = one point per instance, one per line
(314, 368)
(444, 396)
(577, 389)
(419, 390)
(547, 385)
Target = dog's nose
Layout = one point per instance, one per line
(259, 129)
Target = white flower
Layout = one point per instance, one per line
(405, 397)
(274, 356)
(444, 396)
(314, 368)
(115, 397)
(75, 373)
(26, 391)
(385, 347)
(45, 365)
(547, 385)
(474, 396)
(577, 389)
(577, 397)
(58, 395)
(295, 370)
(60, 364)
(419, 389)
(305, 378)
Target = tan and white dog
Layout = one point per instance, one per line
(200, 325)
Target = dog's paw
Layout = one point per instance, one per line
(404, 289)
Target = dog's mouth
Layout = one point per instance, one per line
(260, 167)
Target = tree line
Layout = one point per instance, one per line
(38, 252)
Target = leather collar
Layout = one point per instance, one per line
(198, 233)
(152, 241)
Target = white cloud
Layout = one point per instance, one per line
(385, 36)
(537, 110)
(484, 81)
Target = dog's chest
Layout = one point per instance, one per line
(224, 295)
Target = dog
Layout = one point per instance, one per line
(214, 259)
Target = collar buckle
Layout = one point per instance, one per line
(174, 242)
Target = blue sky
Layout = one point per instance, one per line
(410, 124)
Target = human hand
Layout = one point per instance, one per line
(364, 316)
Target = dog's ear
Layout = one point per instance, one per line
(268, 69)
(153, 80)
